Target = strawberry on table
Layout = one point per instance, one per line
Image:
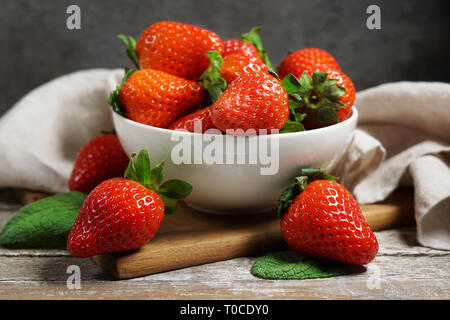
(155, 98)
(125, 213)
(173, 47)
(99, 159)
(307, 59)
(200, 118)
(252, 101)
(320, 218)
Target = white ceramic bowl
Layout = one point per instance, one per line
(237, 188)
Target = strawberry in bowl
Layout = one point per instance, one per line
(236, 130)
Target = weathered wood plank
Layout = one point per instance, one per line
(402, 270)
(347, 287)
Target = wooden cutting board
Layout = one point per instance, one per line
(191, 238)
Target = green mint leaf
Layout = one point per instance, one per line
(143, 168)
(175, 189)
(113, 99)
(211, 80)
(288, 265)
(130, 43)
(130, 172)
(254, 39)
(45, 223)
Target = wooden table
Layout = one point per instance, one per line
(401, 270)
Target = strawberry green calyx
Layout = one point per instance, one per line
(130, 43)
(113, 99)
(307, 175)
(170, 191)
(112, 131)
(254, 39)
(294, 123)
(317, 96)
(211, 80)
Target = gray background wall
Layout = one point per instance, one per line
(413, 44)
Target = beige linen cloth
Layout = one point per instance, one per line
(402, 138)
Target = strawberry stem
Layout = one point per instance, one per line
(170, 191)
(254, 39)
(113, 99)
(211, 80)
(307, 175)
(130, 44)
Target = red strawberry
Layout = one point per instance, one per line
(252, 101)
(320, 97)
(200, 118)
(240, 56)
(100, 159)
(236, 64)
(123, 214)
(348, 98)
(176, 48)
(305, 59)
(233, 46)
(323, 220)
(156, 98)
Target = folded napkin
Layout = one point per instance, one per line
(402, 139)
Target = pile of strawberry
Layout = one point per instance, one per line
(186, 75)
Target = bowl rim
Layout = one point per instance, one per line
(348, 121)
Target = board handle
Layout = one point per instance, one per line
(396, 211)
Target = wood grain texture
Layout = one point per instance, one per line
(401, 270)
(192, 238)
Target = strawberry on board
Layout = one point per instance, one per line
(306, 59)
(252, 101)
(200, 119)
(320, 218)
(124, 213)
(173, 47)
(155, 98)
(99, 159)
